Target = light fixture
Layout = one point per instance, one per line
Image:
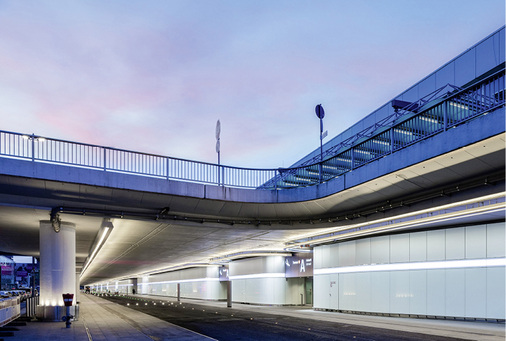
(260, 275)
(471, 207)
(449, 264)
(103, 233)
(55, 219)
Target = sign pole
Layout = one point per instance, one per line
(218, 131)
(320, 113)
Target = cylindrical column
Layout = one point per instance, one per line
(229, 294)
(57, 268)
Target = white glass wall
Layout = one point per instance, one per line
(198, 283)
(457, 272)
(262, 280)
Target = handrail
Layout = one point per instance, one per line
(405, 127)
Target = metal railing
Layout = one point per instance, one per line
(48, 150)
(411, 124)
(31, 305)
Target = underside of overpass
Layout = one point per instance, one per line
(156, 232)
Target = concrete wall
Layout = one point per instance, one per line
(454, 272)
(262, 280)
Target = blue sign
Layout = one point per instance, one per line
(299, 266)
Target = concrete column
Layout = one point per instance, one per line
(57, 269)
(229, 294)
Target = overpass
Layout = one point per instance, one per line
(404, 214)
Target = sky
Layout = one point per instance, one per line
(155, 76)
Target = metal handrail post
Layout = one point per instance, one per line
(33, 147)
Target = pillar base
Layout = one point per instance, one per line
(55, 313)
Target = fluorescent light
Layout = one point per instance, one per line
(415, 219)
(207, 279)
(262, 275)
(451, 264)
(101, 240)
(106, 227)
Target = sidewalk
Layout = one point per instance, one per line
(102, 320)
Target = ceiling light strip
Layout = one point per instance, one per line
(369, 228)
(413, 215)
(206, 279)
(453, 264)
(392, 228)
(97, 247)
(262, 275)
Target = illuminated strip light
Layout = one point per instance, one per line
(99, 244)
(404, 226)
(453, 264)
(207, 279)
(321, 237)
(459, 105)
(263, 275)
(428, 119)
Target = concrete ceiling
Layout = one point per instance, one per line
(142, 244)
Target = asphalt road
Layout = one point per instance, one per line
(233, 324)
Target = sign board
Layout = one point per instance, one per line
(320, 113)
(300, 265)
(67, 299)
(7, 269)
(218, 129)
(324, 135)
(223, 274)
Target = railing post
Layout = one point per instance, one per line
(33, 147)
(445, 115)
(219, 175)
(105, 158)
(391, 140)
(167, 165)
(352, 151)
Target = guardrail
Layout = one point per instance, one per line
(10, 309)
(409, 125)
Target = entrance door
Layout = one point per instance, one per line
(308, 288)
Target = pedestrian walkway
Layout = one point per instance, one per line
(102, 320)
